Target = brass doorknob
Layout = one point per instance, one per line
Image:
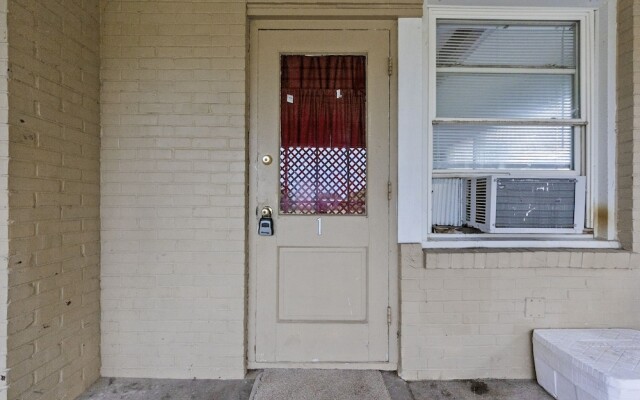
(266, 160)
(266, 211)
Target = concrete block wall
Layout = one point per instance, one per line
(173, 188)
(466, 315)
(54, 195)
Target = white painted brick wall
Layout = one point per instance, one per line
(54, 116)
(173, 188)
(467, 320)
(4, 194)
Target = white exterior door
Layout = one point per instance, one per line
(322, 278)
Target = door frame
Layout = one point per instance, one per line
(393, 278)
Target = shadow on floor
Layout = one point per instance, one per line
(178, 389)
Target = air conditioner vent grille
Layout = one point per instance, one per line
(535, 203)
(468, 199)
(481, 201)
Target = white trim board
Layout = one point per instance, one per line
(410, 153)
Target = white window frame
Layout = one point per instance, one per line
(591, 137)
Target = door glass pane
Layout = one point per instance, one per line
(323, 153)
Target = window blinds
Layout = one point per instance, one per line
(505, 71)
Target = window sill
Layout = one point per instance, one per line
(471, 241)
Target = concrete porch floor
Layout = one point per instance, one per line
(174, 389)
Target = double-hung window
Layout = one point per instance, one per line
(510, 141)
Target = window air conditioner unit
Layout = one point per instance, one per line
(498, 204)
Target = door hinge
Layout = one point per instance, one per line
(389, 190)
(390, 66)
(388, 315)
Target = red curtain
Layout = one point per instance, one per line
(323, 101)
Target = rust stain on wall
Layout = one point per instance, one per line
(602, 217)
